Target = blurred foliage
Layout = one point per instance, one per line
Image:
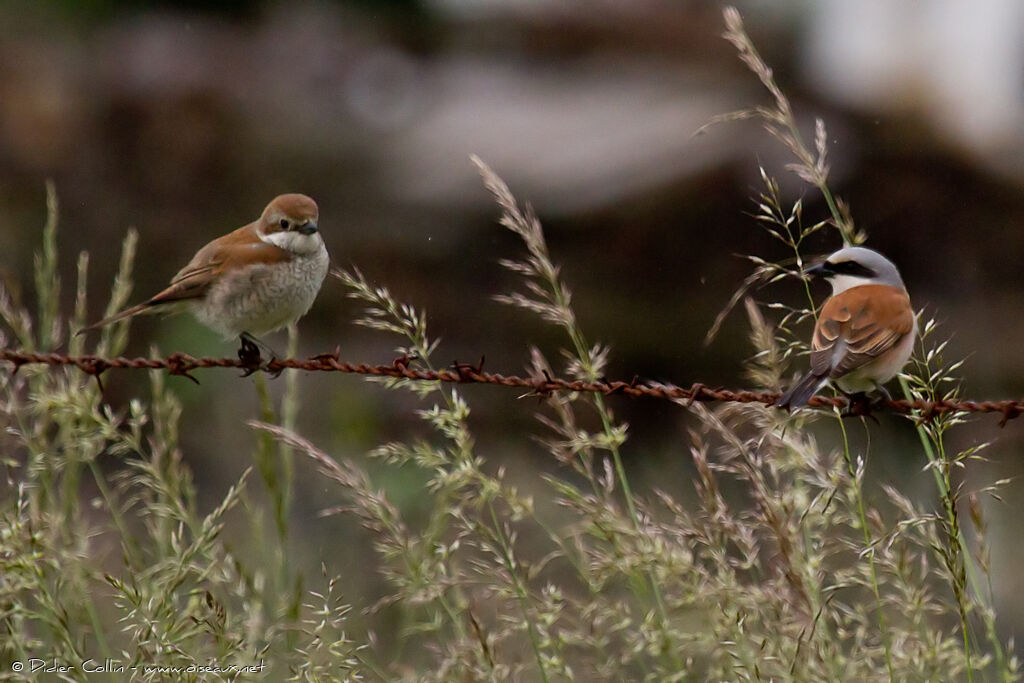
(136, 132)
(105, 9)
(781, 566)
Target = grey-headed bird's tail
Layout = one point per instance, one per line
(801, 392)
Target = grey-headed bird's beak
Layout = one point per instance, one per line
(307, 228)
(817, 270)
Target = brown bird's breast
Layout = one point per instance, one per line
(263, 297)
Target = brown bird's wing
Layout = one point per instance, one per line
(857, 326)
(234, 250)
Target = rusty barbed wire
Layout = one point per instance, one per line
(182, 365)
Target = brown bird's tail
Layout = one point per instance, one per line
(126, 313)
(801, 392)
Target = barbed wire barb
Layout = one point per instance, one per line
(183, 365)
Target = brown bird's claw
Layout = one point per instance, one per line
(257, 364)
(252, 360)
(270, 369)
(249, 355)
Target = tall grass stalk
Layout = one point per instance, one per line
(549, 297)
(385, 314)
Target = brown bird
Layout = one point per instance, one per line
(254, 280)
(865, 332)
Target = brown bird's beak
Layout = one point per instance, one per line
(307, 228)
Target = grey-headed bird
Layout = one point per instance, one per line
(865, 331)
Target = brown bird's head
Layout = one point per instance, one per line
(290, 222)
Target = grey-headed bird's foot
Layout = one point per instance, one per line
(881, 397)
(857, 404)
(862, 404)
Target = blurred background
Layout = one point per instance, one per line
(183, 119)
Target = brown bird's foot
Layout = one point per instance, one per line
(251, 356)
(274, 372)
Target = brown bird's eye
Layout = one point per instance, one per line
(284, 223)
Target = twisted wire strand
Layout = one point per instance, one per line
(183, 365)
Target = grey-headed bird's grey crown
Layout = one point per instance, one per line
(853, 266)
